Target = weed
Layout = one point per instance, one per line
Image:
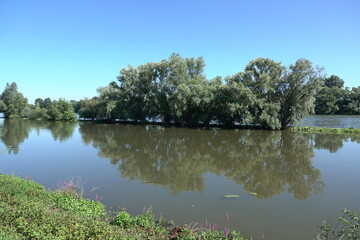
(352, 131)
(347, 227)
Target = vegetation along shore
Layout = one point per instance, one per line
(29, 211)
(175, 91)
(351, 131)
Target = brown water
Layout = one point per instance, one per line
(287, 182)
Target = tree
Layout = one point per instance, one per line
(112, 102)
(331, 96)
(233, 102)
(61, 110)
(334, 81)
(176, 90)
(47, 103)
(185, 77)
(76, 105)
(90, 108)
(39, 101)
(301, 82)
(264, 77)
(38, 113)
(352, 105)
(283, 95)
(2, 106)
(12, 103)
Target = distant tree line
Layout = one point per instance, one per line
(14, 105)
(333, 98)
(176, 91)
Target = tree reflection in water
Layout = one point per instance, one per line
(265, 162)
(15, 131)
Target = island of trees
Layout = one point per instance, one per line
(176, 91)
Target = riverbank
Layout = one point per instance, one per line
(307, 129)
(29, 211)
(176, 125)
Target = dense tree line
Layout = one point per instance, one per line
(333, 98)
(176, 91)
(14, 105)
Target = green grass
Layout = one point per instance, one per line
(29, 211)
(351, 131)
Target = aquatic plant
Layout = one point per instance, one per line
(307, 129)
(231, 196)
(347, 227)
(72, 186)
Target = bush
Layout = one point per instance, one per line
(347, 227)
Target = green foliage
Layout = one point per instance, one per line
(352, 131)
(78, 205)
(145, 220)
(175, 90)
(12, 103)
(209, 234)
(333, 99)
(351, 103)
(28, 211)
(38, 113)
(2, 106)
(347, 227)
(231, 196)
(90, 108)
(331, 96)
(334, 82)
(123, 219)
(61, 110)
(7, 233)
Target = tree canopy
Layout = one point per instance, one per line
(333, 98)
(266, 94)
(12, 103)
(176, 91)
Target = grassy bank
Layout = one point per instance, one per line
(29, 211)
(307, 129)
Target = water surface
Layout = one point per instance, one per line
(332, 121)
(287, 182)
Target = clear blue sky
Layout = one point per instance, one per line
(65, 48)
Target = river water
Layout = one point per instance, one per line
(287, 182)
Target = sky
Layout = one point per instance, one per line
(68, 49)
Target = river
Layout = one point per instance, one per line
(286, 182)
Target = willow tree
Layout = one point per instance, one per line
(234, 102)
(185, 78)
(298, 89)
(283, 94)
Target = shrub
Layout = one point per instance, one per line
(347, 227)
